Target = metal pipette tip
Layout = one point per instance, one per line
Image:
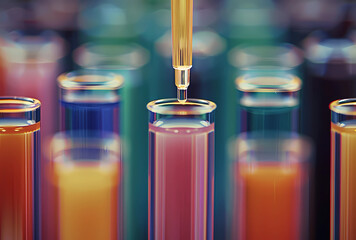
(182, 95)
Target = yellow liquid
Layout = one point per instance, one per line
(88, 201)
(347, 182)
(182, 26)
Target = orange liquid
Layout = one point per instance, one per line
(17, 181)
(269, 201)
(88, 200)
(347, 183)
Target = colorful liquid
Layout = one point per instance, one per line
(181, 179)
(268, 203)
(182, 25)
(343, 181)
(85, 116)
(88, 197)
(18, 178)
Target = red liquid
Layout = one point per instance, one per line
(181, 181)
(17, 181)
(38, 80)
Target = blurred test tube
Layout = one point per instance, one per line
(128, 60)
(86, 176)
(31, 67)
(90, 101)
(258, 64)
(268, 102)
(269, 197)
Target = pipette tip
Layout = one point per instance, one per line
(182, 95)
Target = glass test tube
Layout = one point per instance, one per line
(343, 169)
(270, 194)
(130, 61)
(31, 67)
(19, 167)
(268, 102)
(89, 101)
(330, 71)
(181, 169)
(86, 176)
(278, 60)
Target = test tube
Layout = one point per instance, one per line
(256, 60)
(130, 61)
(89, 101)
(343, 169)
(270, 194)
(330, 70)
(86, 174)
(181, 169)
(31, 67)
(19, 167)
(268, 102)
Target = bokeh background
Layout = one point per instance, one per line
(313, 39)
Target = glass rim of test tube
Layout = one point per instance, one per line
(172, 106)
(283, 56)
(127, 56)
(90, 80)
(40, 47)
(20, 108)
(343, 110)
(268, 82)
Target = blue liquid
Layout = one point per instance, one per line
(90, 117)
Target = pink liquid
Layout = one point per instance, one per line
(181, 179)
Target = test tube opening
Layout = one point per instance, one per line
(24, 110)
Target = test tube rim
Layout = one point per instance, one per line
(293, 85)
(53, 46)
(287, 48)
(334, 106)
(79, 53)
(23, 104)
(157, 105)
(64, 80)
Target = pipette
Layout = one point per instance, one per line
(182, 28)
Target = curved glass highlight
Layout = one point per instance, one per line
(343, 169)
(86, 180)
(266, 57)
(269, 195)
(129, 61)
(181, 169)
(268, 101)
(112, 57)
(90, 101)
(19, 167)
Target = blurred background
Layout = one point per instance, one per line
(312, 39)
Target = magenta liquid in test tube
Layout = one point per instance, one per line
(181, 169)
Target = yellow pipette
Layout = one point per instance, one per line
(182, 30)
